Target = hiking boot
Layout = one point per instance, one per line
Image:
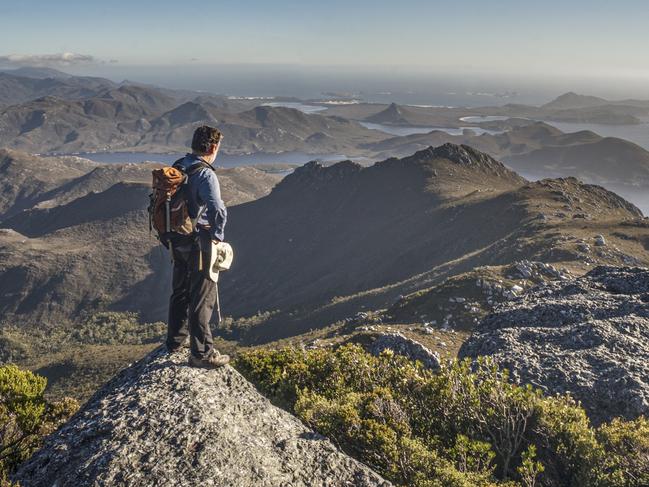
(184, 344)
(212, 361)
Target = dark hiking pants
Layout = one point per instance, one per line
(192, 299)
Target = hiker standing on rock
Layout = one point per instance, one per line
(194, 220)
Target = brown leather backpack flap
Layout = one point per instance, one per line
(167, 179)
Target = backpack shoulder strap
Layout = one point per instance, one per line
(194, 168)
(177, 164)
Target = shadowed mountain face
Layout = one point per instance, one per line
(327, 241)
(341, 238)
(75, 236)
(338, 230)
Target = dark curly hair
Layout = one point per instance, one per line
(204, 137)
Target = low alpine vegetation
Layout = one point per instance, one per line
(462, 426)
(25, 416)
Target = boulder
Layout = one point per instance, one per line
(587, 336)
(407, 347)
(163, 423)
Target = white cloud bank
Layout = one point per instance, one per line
(47, 60)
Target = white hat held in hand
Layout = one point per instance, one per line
(220, 259)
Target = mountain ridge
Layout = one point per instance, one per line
(378, 232)
(353, 217)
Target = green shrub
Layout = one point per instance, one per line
(566, 443)
(627, 452)
(110, 328)
(25, 416)
(465, 425)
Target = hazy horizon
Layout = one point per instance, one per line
(254, 48)
(376, 84)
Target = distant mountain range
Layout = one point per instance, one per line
(542, 150)
(572, 107)
(142, 118)
(133, 117)
(569, 107)
(25, 84)
(574, 100)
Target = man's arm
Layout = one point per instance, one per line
(216, 214)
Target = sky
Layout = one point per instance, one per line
(568, 35)
(550, 39)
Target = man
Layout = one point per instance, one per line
(192, 300)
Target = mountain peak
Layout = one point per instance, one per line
(465, 156)
(265, 115)
(574, 100)
(461, 154)
(160, 422)
(316, 171)
(393, 115)
(188, 112)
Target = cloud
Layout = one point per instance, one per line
(46, 60)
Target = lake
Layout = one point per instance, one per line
(298, 106)
(411, 130)
(481, 118)
(223, 160)
(395, 129)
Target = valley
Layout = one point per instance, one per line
(370, 241)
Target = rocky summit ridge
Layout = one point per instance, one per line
(587, 336)
(161, 422)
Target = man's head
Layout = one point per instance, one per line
(206, 142)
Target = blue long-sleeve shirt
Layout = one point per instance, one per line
(204, 196)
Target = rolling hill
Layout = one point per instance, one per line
(140, 118)
(80, 242)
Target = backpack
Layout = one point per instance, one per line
(168, 212)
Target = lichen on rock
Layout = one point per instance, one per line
(587, 336)
(161, 422)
